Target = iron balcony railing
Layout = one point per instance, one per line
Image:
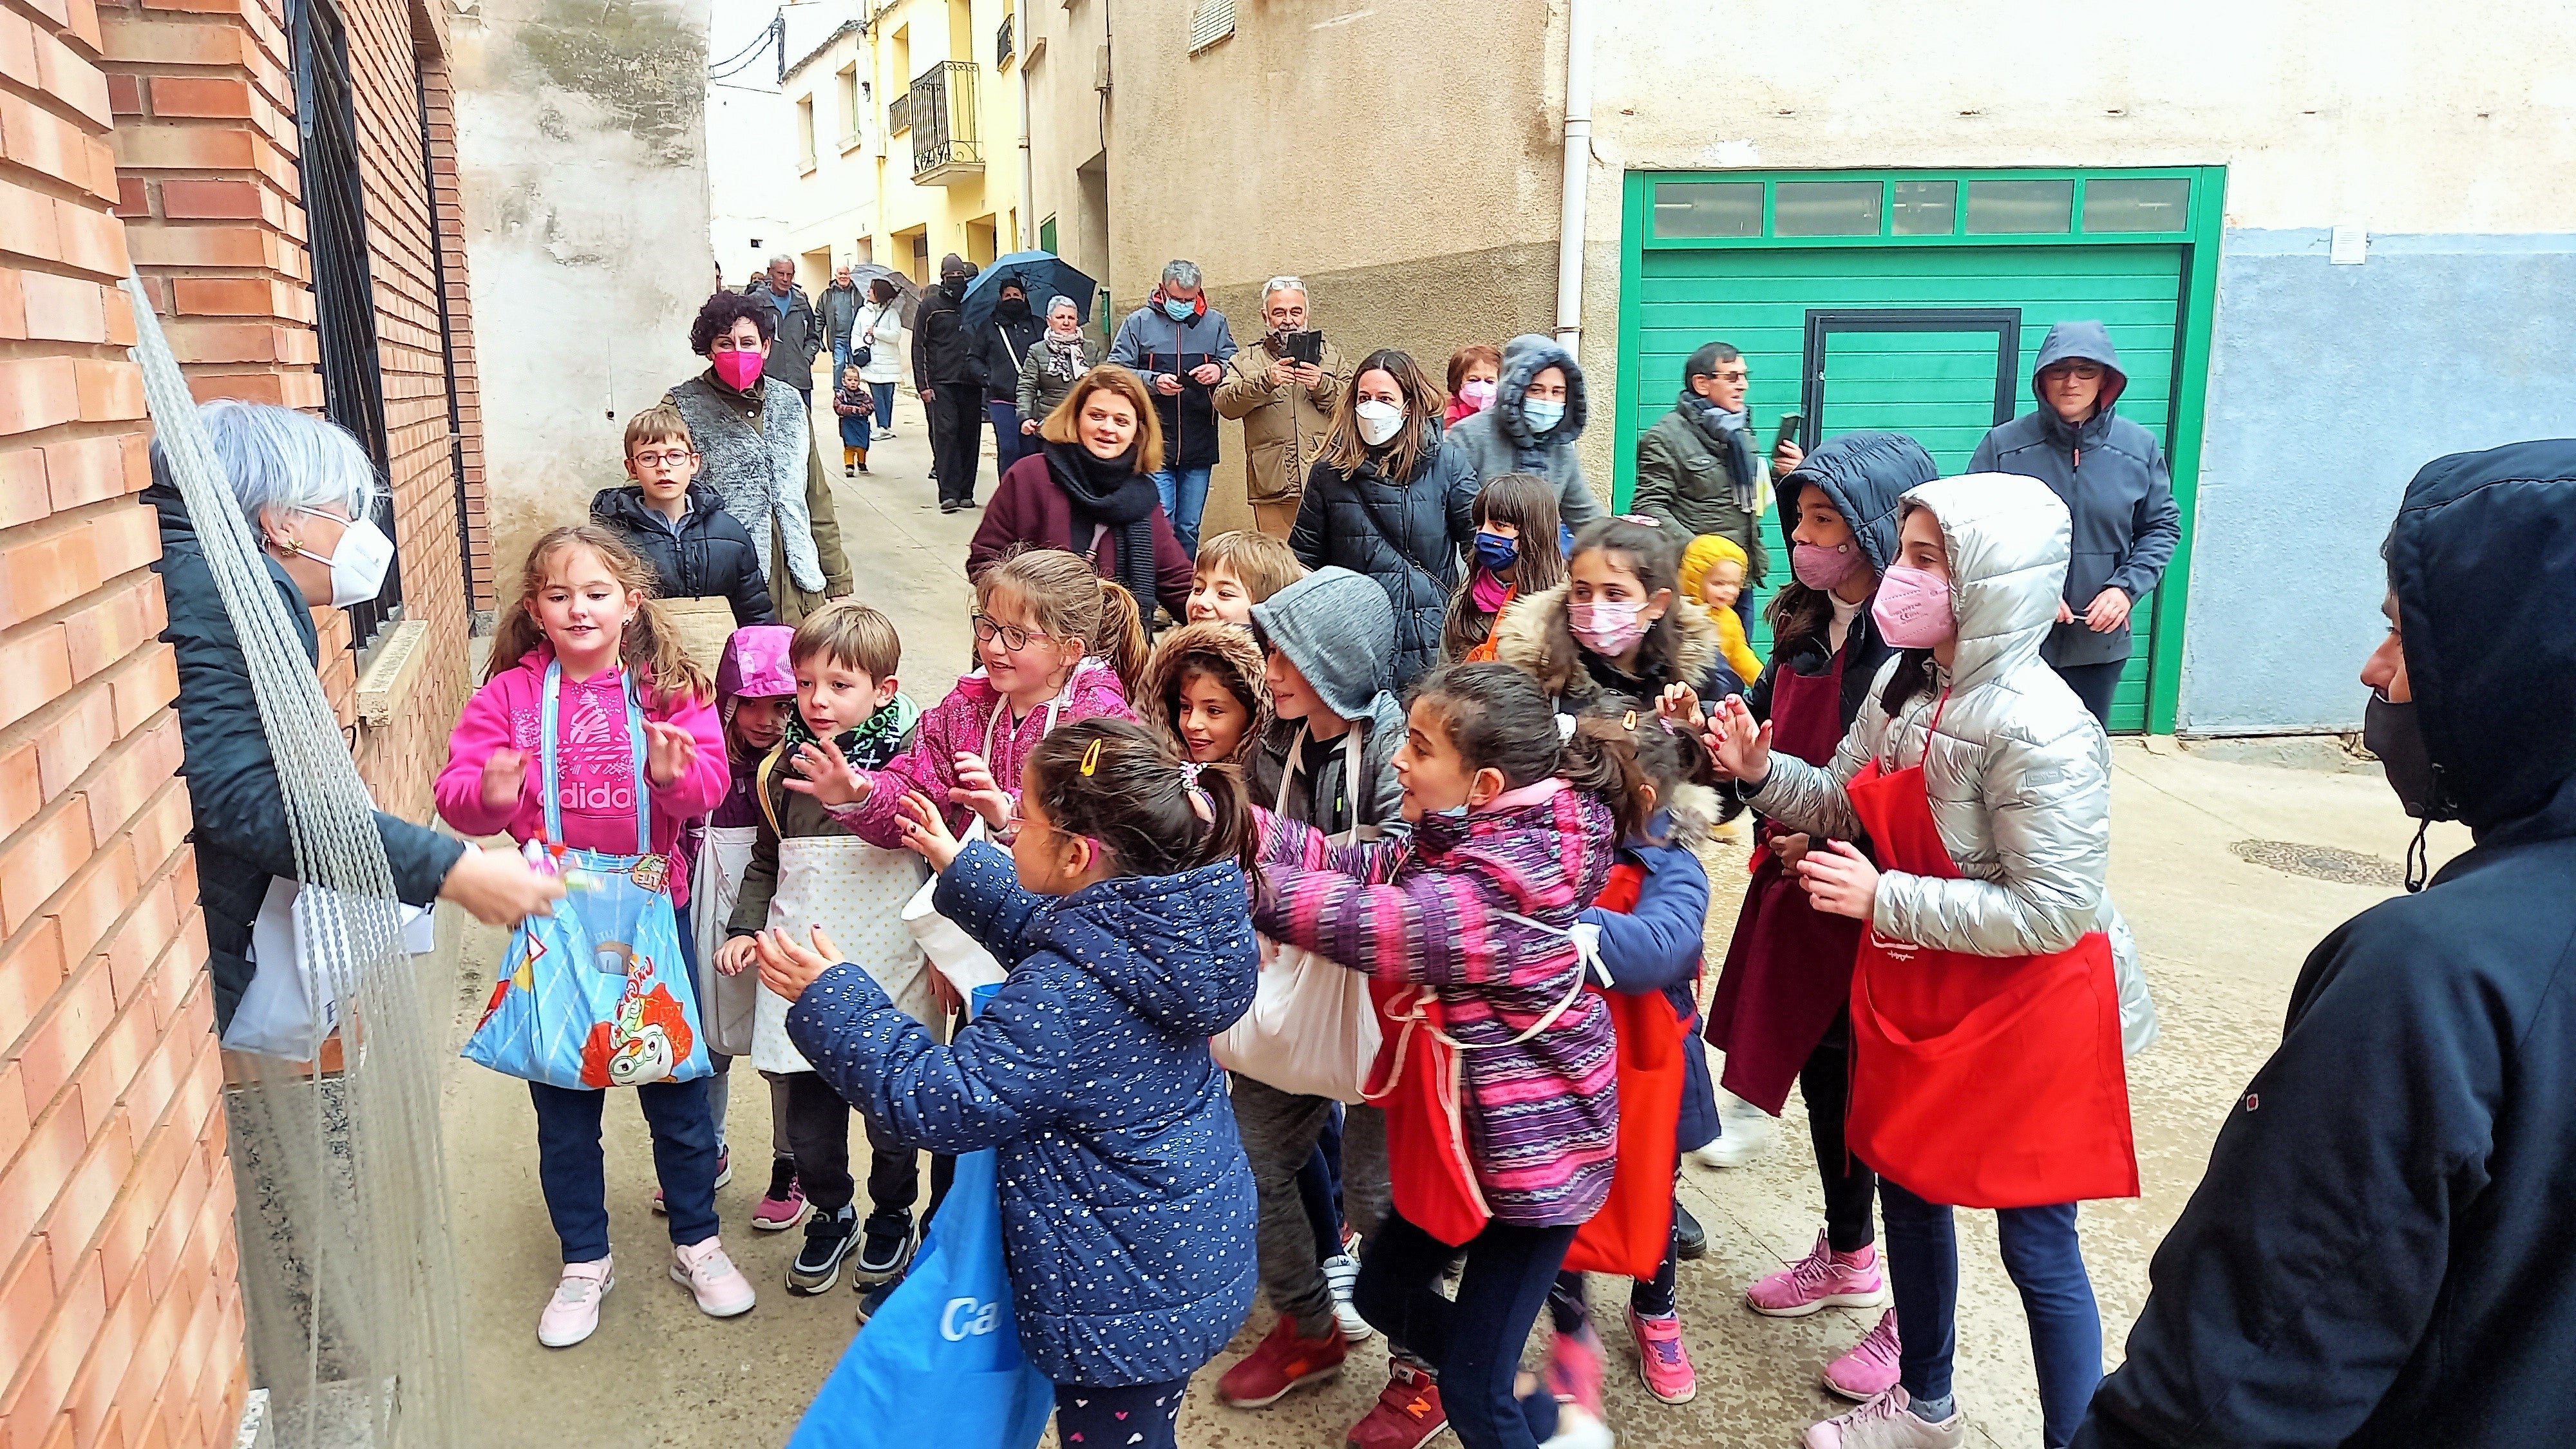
(899, 114)
(944, 131)
(1002, 43)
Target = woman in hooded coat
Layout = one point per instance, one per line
(1537, 413)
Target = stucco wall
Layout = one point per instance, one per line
(2329, 387)
(580, 142)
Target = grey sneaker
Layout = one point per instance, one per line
(885, 1248)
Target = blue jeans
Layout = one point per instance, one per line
(1474, 1341)
(883, 393)
(570, 1169)
(1319, 1187)
(1184, 495)
(2041, 1254)
(840, 358)
(1010, 445)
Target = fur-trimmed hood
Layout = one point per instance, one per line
(1224, 650)
(1526, 630)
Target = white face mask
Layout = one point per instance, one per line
(358, 569)
(1378, 420)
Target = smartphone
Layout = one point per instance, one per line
(1792, 428)
(1305, 347)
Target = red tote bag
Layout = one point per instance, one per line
(1635, 1225)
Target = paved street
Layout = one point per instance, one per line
(2224, 938)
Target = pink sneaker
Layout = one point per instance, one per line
(1661, 1360)
(1574, 1370)
(784, 1205)
(712, 1279)
(573, 1313)
(1888, 1422)
(1869, 1370)
(1822, 1279)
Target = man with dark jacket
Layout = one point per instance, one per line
(839, 309)
(1179, 345)
(2126, 524)
(798, 336)
(2377, 1255)
(943, 371)
(1697, 468)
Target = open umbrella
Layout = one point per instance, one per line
(906, 295)
(1041, 275)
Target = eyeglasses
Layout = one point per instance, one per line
(1738, 375)
(1013, 637)
(671, 459)
(2086, 371)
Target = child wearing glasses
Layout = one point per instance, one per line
(679, 525)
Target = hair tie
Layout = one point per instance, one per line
(1200, 805)
(1628, 722)
(1564, 728)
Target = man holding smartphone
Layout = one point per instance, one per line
(1697, 471)
(1282, 390)
(1180, 345)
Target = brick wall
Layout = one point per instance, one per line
(120, 1315)
(440, 81)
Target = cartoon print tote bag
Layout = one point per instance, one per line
(596, 995)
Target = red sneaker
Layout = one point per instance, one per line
(1282, 1362)
(1406, 1416)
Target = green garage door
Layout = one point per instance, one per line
(1933, 341)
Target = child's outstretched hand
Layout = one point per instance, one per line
(736, 956)
(787, 968)
(1740, 748)
(505, 774)
(668, 751)
(925, 832)
(1679, 707)
(1840, 881)
(827, 776)
(978, 791)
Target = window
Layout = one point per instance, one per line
(2145, 203)
(1825, 208)
(1925, 208)
(1708, 208)
(344, 297)
(847, 83)
(2009, 208)
(805, 134)
(1210, 22)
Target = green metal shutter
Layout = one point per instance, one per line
(1938, 385)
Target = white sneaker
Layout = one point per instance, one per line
(712, 1279)
(573, 1313)
(1886, 1422)
(1576, 1429)
(1341, 1271)
(1749, 1132)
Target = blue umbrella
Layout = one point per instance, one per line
(1040, 274)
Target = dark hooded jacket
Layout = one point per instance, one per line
(1498, 440)
(1339, 631)
(1000, 344)
(1405, 533)
(1862, 474)
(2377, 1255)
(234, 795)
(708, 555)
(1127, 1205)
(943, 354)
(2112, 478)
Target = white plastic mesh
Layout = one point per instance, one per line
(347, 1260)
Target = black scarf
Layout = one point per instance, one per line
(1734, 444)
(1109, 493)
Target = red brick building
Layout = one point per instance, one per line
(282, 176)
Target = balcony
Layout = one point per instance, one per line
(947, 143)
(899, 114)
(1002, 48)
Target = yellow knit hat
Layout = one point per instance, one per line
(1703, 554)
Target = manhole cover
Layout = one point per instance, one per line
(2321, 862)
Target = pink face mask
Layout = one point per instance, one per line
(1913, 608)
(1606, 626)
(738, 368)
(1823, 568)
(1476, 393)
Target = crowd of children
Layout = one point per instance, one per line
(1509, 854)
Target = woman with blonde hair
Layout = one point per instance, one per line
(1393, 500)
(1089, 490)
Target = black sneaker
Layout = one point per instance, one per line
(949, 505)
(827, 1241)
(885, 1248)
(1690, 1240)
(874, 1298)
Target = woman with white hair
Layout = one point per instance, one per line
(1283, 392)
(1053, 364)
(308, 491)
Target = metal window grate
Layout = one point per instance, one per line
(344, 298)
(1211, 22)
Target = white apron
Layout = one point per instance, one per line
(855, 891)
(724, 1002)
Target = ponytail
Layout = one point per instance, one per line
(1122, 783)
(1599, 758)
(1119, 637)
(1497, 719)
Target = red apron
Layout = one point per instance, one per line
(1981, 1081)
(1634, 1227)
(1788, 966)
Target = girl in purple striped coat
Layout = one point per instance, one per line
(1514, 823)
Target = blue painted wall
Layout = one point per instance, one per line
(2329, 386)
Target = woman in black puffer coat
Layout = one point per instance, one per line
(1391, 498)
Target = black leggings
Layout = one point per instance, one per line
(1473, 1344)
(1850, 1187)
(1089, 1418)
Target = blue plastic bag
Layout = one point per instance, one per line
(597, 994)
(940, 1362)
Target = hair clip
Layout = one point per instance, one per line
(1564, 728)
(1628, 722)
(1091, 758)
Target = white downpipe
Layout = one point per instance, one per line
(1028, 201)
(1578, 160)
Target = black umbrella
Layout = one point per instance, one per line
(1040, 274)
(906, 295)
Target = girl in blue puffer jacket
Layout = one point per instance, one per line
(1123, 913)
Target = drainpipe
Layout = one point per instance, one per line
(1578, 158)
(1028, 202)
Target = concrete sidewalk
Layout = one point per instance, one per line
(2223, 936)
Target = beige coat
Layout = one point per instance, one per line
(1284, 427)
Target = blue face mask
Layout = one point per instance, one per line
(1543, 416)
(1496, 553)
(1178, 310)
